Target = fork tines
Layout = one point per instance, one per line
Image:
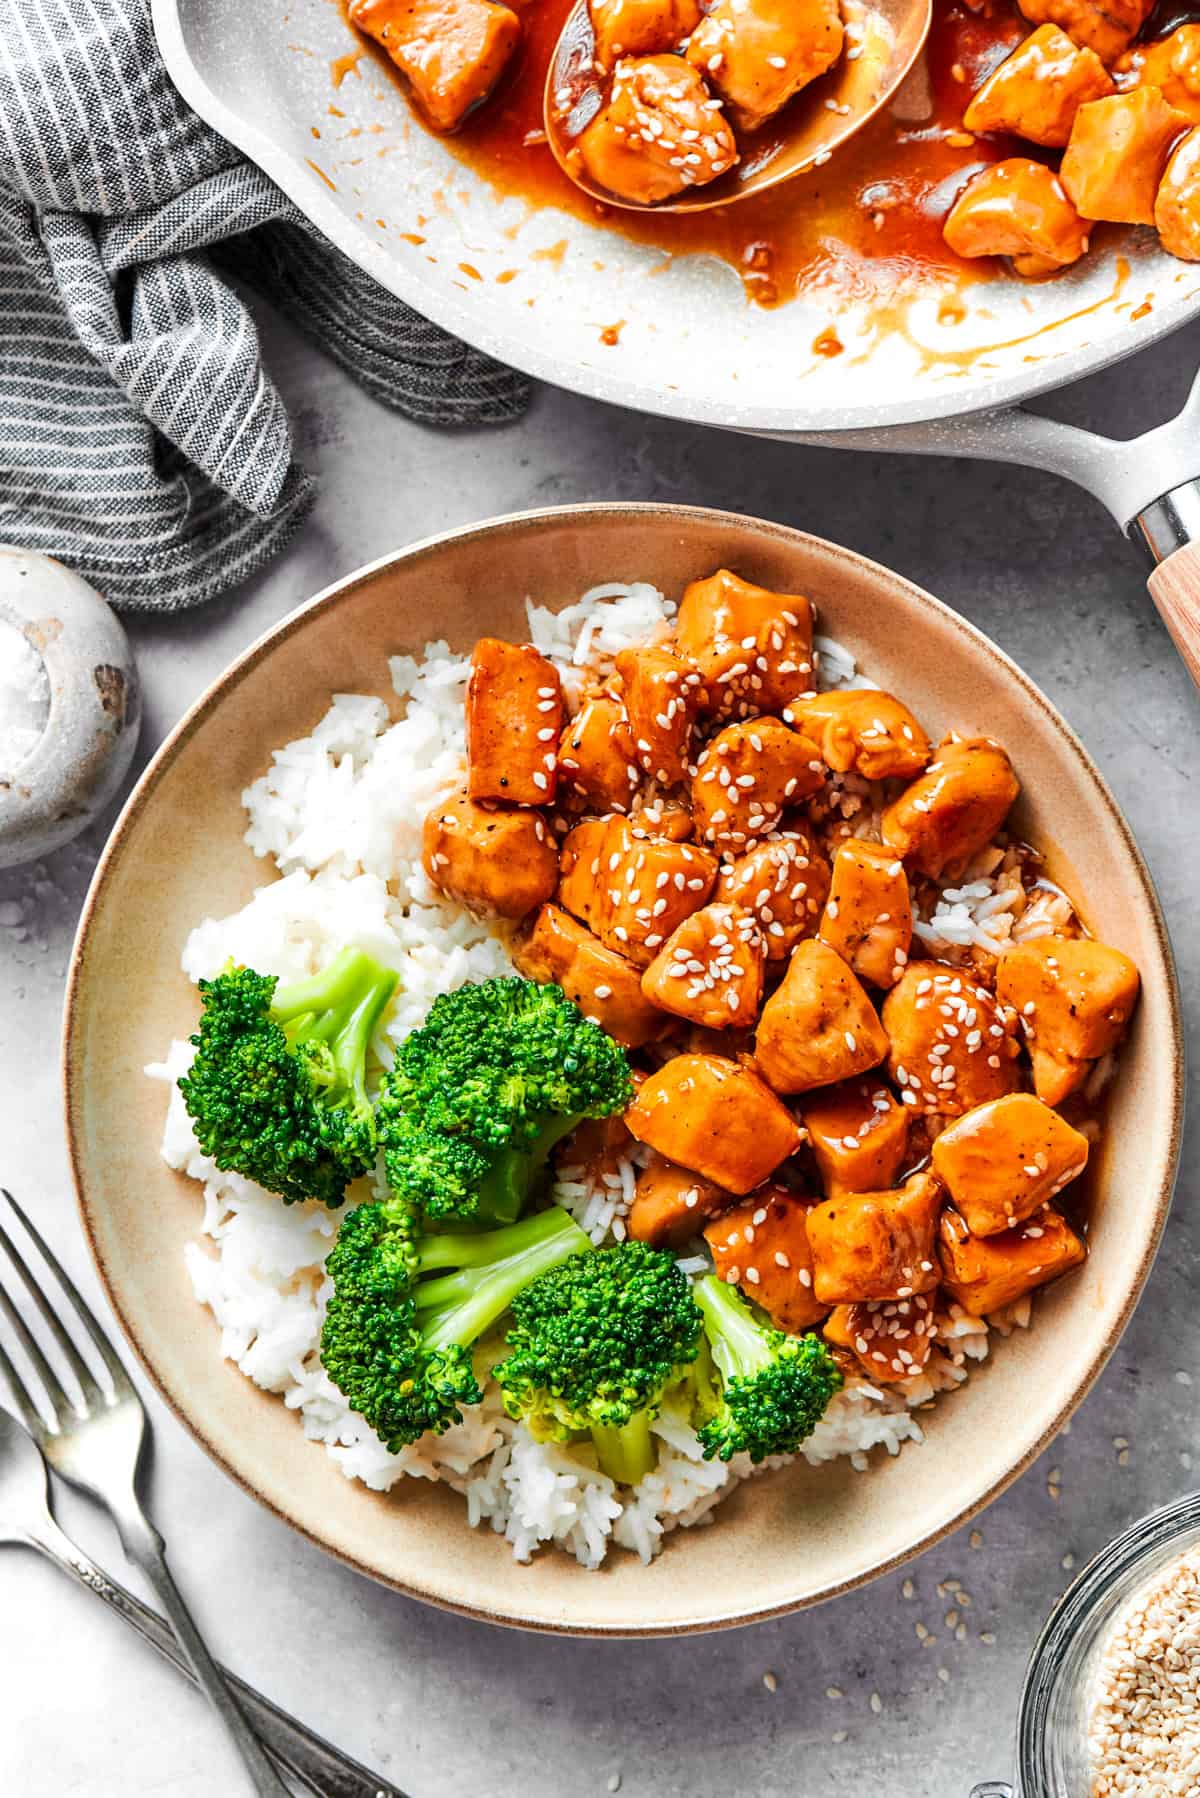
(54, 1394)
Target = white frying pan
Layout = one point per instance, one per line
(537, 288)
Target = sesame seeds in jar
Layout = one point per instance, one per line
(1143, 1731)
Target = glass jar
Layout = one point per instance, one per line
(1051, 1750)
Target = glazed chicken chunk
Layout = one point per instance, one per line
(1074, 998)
(876, 1245)
(1019, 209)
(868, 916)
(602, 983)
(1105, 26)
(753, 647)
(984, 1273)
(514, 720)
(662, 697)
(746, 777)
(1177, 203)
(762, 1246)
(632, 890)
(818, 1026)
(585, 851)
(596, 763)
(452, 52)
(951, 1046)
(1036, 92)
(785, 883)
(1118, 153)
(711, 969)
(499, 863)
(1003, 1161)
(661, 133)
(671, 1204)
(717, 1118)
(758, 53)
(954, 809)
(864, 730)
(640, 27)
(858, 1135)
(1172, 65)
(669, 818)
(889, 1338)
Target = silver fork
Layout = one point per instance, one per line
(95, 1442)
(25, 1520)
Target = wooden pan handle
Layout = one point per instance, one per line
(1175, 590)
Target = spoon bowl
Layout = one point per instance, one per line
(884, 39)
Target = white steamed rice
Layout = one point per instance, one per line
(340, 814)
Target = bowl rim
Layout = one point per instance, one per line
(342, 590)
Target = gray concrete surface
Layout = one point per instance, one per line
(446, 1706)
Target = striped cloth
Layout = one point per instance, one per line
(141, 439)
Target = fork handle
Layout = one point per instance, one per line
(320, 1767)
(146, 1549)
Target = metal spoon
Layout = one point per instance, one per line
(889, 38)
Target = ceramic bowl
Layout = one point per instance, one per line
(92, 706)
(786, 1539)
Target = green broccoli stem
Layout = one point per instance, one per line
(492, 1267)
(353, 1042)
(336, 989)
(341, 1005)
(341, 1008)
(515, 1174)
(736, 1336)
(626, 1453)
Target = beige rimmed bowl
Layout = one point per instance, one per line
(784, 1540)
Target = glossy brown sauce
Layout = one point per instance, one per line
(868, 223)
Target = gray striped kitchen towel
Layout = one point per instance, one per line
(141, 439)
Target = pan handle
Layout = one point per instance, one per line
(1127, 475)
(1149, 484)
(1170, 530)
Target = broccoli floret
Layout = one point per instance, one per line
(773, 1389)
(277, 1090)
(407, 1309)
(594, 1345)
(483, 1090)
